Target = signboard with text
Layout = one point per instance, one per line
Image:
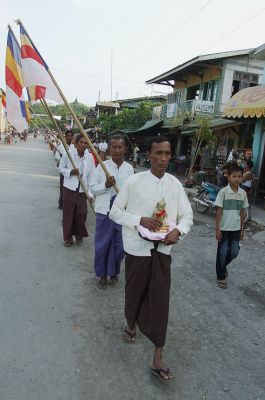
(204, 106)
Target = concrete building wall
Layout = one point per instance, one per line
(241, 64)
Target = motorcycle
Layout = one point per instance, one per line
(206, 197)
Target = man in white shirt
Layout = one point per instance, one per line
(147, 264)
(135, 154)
(74, 198)
(59, 151)
(103, 147)
(109, 250)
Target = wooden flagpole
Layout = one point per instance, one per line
(78, 123)
(46, 108)
(43, 134)
(43, 123)
(14, 36)
(63, 141)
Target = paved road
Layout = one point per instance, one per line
(60, 335)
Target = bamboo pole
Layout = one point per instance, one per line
(43, 123)
(46, 108)
(43, 134)
(197, 148)
(14, 37)
(68, 106)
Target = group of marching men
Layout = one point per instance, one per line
(147, 264)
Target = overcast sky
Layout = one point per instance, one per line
(146, 37)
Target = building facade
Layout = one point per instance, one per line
(202, 86)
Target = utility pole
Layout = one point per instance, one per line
(111, 62)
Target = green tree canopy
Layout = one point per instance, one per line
(128, 118)
(60, 110)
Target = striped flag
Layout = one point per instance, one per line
(35, 73)
(16, 108)
(3, 97)
(36, 92)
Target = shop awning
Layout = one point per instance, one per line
(190, 132)
(221, 123)
(148, 125)
(249, 102)
(215, 124)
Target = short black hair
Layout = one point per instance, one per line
(235, 168)
(69, 131)
(78, 137)
(116, 136)
(156, 139)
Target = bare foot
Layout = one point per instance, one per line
(158, 367)
(161, 370)
(102, 282)
(222, 283)
(129, 334)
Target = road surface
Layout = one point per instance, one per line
(61, 336)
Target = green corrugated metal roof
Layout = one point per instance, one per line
(148, 125)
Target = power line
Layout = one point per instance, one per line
(96, 76)
(166, 36)
(93, 76)
(236, 29)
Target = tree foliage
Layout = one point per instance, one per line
(204, 131)
(60, 110)
(203, 134)
(127, 118)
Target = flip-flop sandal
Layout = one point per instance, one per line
(114, 279)
(101, 284)
(222, 285)
(79, 241)
(131, 336)
(157, 372)
(68, 244)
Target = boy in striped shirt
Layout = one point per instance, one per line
(230, 203)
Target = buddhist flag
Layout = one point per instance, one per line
(35, 71)
(3, 97)
(16, 108)
(36, 92)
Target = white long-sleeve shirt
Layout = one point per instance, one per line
(87, 153)
(86, 168)
(59, 151)
(103, 194)
(138, 198)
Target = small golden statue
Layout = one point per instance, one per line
(160, 215)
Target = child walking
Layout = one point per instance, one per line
(230, 203)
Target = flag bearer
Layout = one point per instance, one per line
(74, 198)
(108, 237)
(59, 151)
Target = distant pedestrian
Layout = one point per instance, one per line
(74, 198)
(59, 151)
(248, 178)
(136, 151)
(103, 147)
(96, 144)
(109, 250)
(230, 202)
(223, 180)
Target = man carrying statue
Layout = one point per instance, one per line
(155, 213)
